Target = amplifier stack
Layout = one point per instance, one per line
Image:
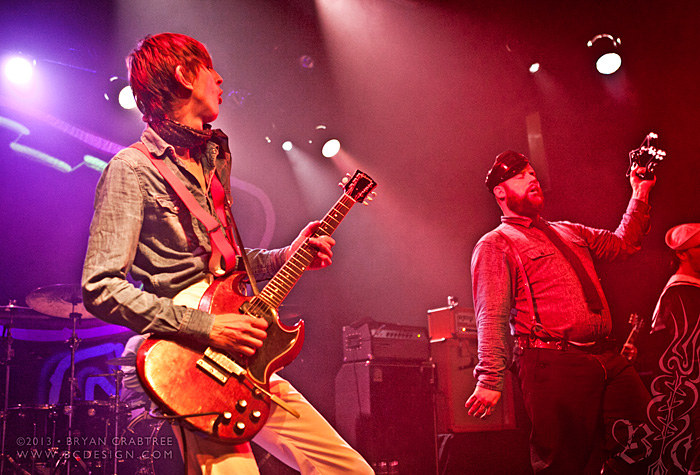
(385, 397)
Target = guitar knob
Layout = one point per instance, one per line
(239, 428)
(241, 405)
(255, 416)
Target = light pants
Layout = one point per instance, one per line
(308, 444)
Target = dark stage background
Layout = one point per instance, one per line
(423, 96)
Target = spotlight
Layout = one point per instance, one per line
(605, 47)
(120, 91)
(287, 145)
(331, 148)
(126, 98)
(306, 61)
(19, 70)
(534, 67)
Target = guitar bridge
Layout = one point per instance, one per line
(220, 366)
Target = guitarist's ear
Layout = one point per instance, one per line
(181, 77)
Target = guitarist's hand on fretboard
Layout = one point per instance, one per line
(236, 333)
(322, 244)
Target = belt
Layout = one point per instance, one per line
(525, 342)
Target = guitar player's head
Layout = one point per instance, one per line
(684, 241)
(513, 182)
(162, 69)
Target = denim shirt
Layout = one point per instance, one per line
(141, 228)
(557, 294)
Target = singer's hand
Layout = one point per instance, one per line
(640, 187)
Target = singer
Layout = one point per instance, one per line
(535, 280)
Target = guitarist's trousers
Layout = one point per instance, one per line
(308, 444)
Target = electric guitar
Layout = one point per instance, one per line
(227, 396)
(637, 324)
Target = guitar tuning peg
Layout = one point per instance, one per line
(340, 184)
(365, 203)
(345, 179)
(369, 198)
(374, 193)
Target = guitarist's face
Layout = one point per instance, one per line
(522, 194)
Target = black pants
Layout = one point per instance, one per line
(574, 399)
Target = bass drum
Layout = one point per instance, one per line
(148, 447)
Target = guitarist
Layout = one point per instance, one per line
(140, 228)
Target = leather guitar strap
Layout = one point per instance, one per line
(219, 195)
(222, 248)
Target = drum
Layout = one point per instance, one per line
(92, 421)
(34, 433)
(148, 447)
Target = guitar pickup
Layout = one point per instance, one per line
(212, 371)
(219, 366)
(225, 362)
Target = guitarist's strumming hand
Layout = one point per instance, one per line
(482, 401)
(238, 333)
(322, 244)
(629, 351)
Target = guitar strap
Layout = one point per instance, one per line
(219, 236)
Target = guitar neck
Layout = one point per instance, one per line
(282, 283)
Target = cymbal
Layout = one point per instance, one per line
(14, 316)
(60, 300)
(122, 361)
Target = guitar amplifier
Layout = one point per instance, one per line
(385, 341)
(451, 322)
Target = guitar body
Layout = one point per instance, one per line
(171, 376)
(227, 396)
(182, 379)
(283, 343)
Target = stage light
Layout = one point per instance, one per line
(120, 90)
(534, 67)
(19, 70)
(306, 61)
(608, 63)
(126, 98)
(604, 47)
(331, 148)
(287, 146)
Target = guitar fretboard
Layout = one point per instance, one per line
(282, 283)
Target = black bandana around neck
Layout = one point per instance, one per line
(181, 135)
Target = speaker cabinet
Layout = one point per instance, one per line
(455, 360)
(386, 411)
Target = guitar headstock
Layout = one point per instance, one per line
(636, 321)
(359, 186)
(649, 152)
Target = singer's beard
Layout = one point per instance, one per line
(530, 205)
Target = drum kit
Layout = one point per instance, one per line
(101, 437)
